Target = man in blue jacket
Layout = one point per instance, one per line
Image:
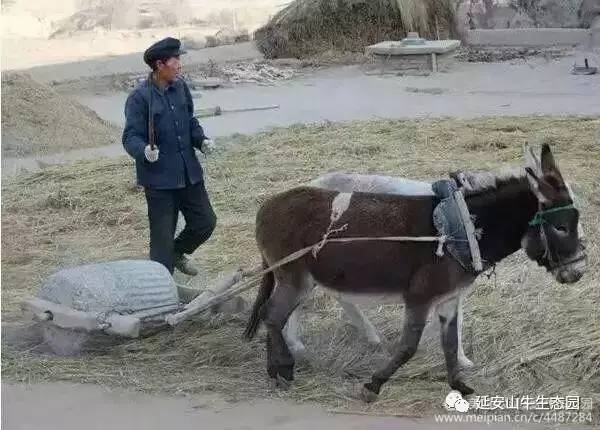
(161, 134)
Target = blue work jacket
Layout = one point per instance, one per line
(176, 132)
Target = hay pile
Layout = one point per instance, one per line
(256, 72)
(311, 27)
(527, 334)
(38, 120)
(589, 12)
(102, 15)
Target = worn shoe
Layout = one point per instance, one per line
(184, 265)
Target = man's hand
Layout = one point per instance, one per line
(208, 146)
(151, 154)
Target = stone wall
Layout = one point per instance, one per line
(502, 14)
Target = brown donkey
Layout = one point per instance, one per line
(530, 209)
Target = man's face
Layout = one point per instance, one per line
(169, 69)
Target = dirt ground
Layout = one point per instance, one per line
(535, 86)
(521, 87)
(63, 406)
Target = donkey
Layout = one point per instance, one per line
(348, 183)
(352, 182)
(531, 209)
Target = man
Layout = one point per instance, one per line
(161, 134)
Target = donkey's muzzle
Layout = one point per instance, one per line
(572, 271)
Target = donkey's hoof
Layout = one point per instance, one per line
(286, 371)
(281, 376)
(282, 383)
(367, 395)
(463, 388)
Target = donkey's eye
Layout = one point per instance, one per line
(561, 229)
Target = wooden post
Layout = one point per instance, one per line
(470, 230)
(209, 297)
(68, 318)
(217, 110)
(186, 294)
(434, 65)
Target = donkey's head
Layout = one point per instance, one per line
(553, 238)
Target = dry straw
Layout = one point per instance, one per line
(527, 334)
(38, 120)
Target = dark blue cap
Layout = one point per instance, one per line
(162, 50)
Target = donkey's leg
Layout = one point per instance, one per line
(291, 329)
(414, 323)
(290, 334)
(463, 360)
(359, 320)
(448, 313)
(291, 289)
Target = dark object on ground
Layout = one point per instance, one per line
(585, 69)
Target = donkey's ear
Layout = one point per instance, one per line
(542, 190)
(461, 179)
(532, 160)
(550, 168)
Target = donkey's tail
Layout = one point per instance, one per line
(264, 292)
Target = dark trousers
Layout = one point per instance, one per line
(163, 210)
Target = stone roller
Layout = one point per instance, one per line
(103, 302)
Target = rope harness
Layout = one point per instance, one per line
(539, 220)
(539, 217)
(250, 278)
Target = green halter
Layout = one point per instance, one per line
(538, 219)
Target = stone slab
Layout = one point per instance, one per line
(417, 65)
(398, 48)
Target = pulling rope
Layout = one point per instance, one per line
(329, 232)
(258, 271)
(441, 240)
(252, 276)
